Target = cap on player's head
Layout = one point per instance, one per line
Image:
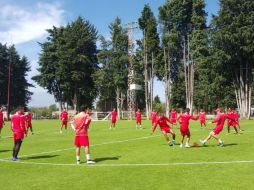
(187, 110)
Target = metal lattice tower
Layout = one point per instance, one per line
(131, 98)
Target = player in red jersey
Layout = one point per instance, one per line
(82, 122)
(183, 119)
(1, 119)
(153, 117)
(173, 116)
(28, 121)
(138, 116)
(64, 120)
(19, 131)
(202, 118)
(232, 114)
(219, 120)
(162, 120)
(113, 119)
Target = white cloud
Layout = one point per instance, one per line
(19, 24)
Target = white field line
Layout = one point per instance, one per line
(135, 165)
(101, 144)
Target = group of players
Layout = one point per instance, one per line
(20, 123)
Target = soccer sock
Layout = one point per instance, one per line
(17, 148)
(220, 141)
(88, 157)
(78, 158)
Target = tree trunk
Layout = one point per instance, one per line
(75, 101)
(118, 102)
(152, 82)
(146, 76)
(166, 80)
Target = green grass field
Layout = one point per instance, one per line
(127, 158)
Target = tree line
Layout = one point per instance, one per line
(13, 72)
(201, 66)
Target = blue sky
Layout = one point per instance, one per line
(23, 23)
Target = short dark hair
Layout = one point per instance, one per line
(83, 108)
(187, 110)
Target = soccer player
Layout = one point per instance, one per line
(232, 122)
(28, 121)
(1, 119)
(64, 120)
(202, 118)
(219, 120)
(138, 119)
(113, 119)
(19, 130)
(153, 117)
(82, 122)
(183, 119)
(173, 116)
(162, 120)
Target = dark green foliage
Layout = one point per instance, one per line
(19, 92)
(67, 62)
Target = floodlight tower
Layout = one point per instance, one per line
(131, 97)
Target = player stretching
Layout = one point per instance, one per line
(82, 122)
(153, 117)
(219, 120)
(165, 128)
(173, 116)
(138, 119)
(19, 130)
(232, 114)
(64, 120)
(28, 121)
(184, 119)
(113, 119)
(202, 118)
(1, 119)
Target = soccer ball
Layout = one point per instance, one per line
(195, 144)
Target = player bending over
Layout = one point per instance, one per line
(184, 119)
(1, 120)
(113, 119)
(19, 131)
(202, 118)
(165, 128)
(82, 122)
(28, 121)
(138, 116)
(64, 120)
(219, 120)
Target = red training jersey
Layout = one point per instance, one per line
(82, 122)
(153, 116)
(202, 116)
(28, 118)
(1, 117)
(138, 115)
(18, 123)
(162, 121)
(184, 120)
(113, 115)
(173, 115)
(64, 116)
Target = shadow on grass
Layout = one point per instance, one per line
(39, 157)
(106, 158)
(5, 151)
